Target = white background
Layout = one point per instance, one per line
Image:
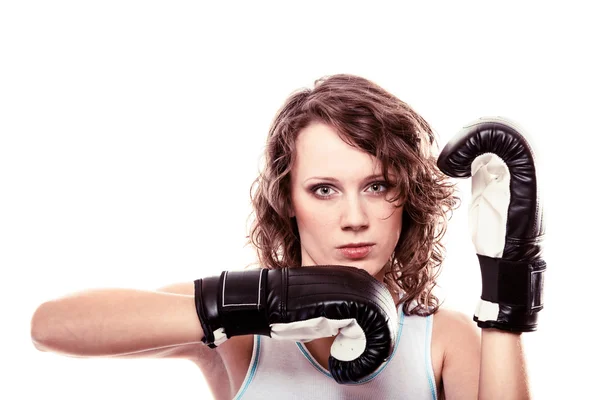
(131, 132)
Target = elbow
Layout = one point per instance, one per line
(43, 331)
(39, 328)
(38, 345)
(56, 328)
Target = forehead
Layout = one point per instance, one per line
(321, 152)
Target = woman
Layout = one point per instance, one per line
(350, 179)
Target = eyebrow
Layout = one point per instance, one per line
(331, 179)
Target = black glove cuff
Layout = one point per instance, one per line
(242, 302)
(511, 320)
(512, 283)
(204, 289)
(234, 301)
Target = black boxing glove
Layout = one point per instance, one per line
(505, 220)
(303, 304)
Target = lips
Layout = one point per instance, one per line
(356, 251)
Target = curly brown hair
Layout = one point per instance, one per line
(369, 118)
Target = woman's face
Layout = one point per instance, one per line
(341, 203)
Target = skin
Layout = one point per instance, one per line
(349, 206)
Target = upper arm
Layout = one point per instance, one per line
(461, 341)
(222, 367)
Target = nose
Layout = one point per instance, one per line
(353, 214)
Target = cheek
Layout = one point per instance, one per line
(391, 224)
(311, 218)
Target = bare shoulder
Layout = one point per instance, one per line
(458, 342)
(456, 325)
(225, 367)
(456, 333)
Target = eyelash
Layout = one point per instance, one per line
(315, 188)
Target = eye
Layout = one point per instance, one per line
(323, 191)
(378, 187)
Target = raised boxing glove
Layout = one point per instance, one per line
(505, 220)
(303, 304)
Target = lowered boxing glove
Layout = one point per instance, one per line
(505, 220)
(304, 304)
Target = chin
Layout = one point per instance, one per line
(371, 266)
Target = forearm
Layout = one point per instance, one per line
(114, 322)
(503, 371)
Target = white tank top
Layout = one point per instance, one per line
(282, 369)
